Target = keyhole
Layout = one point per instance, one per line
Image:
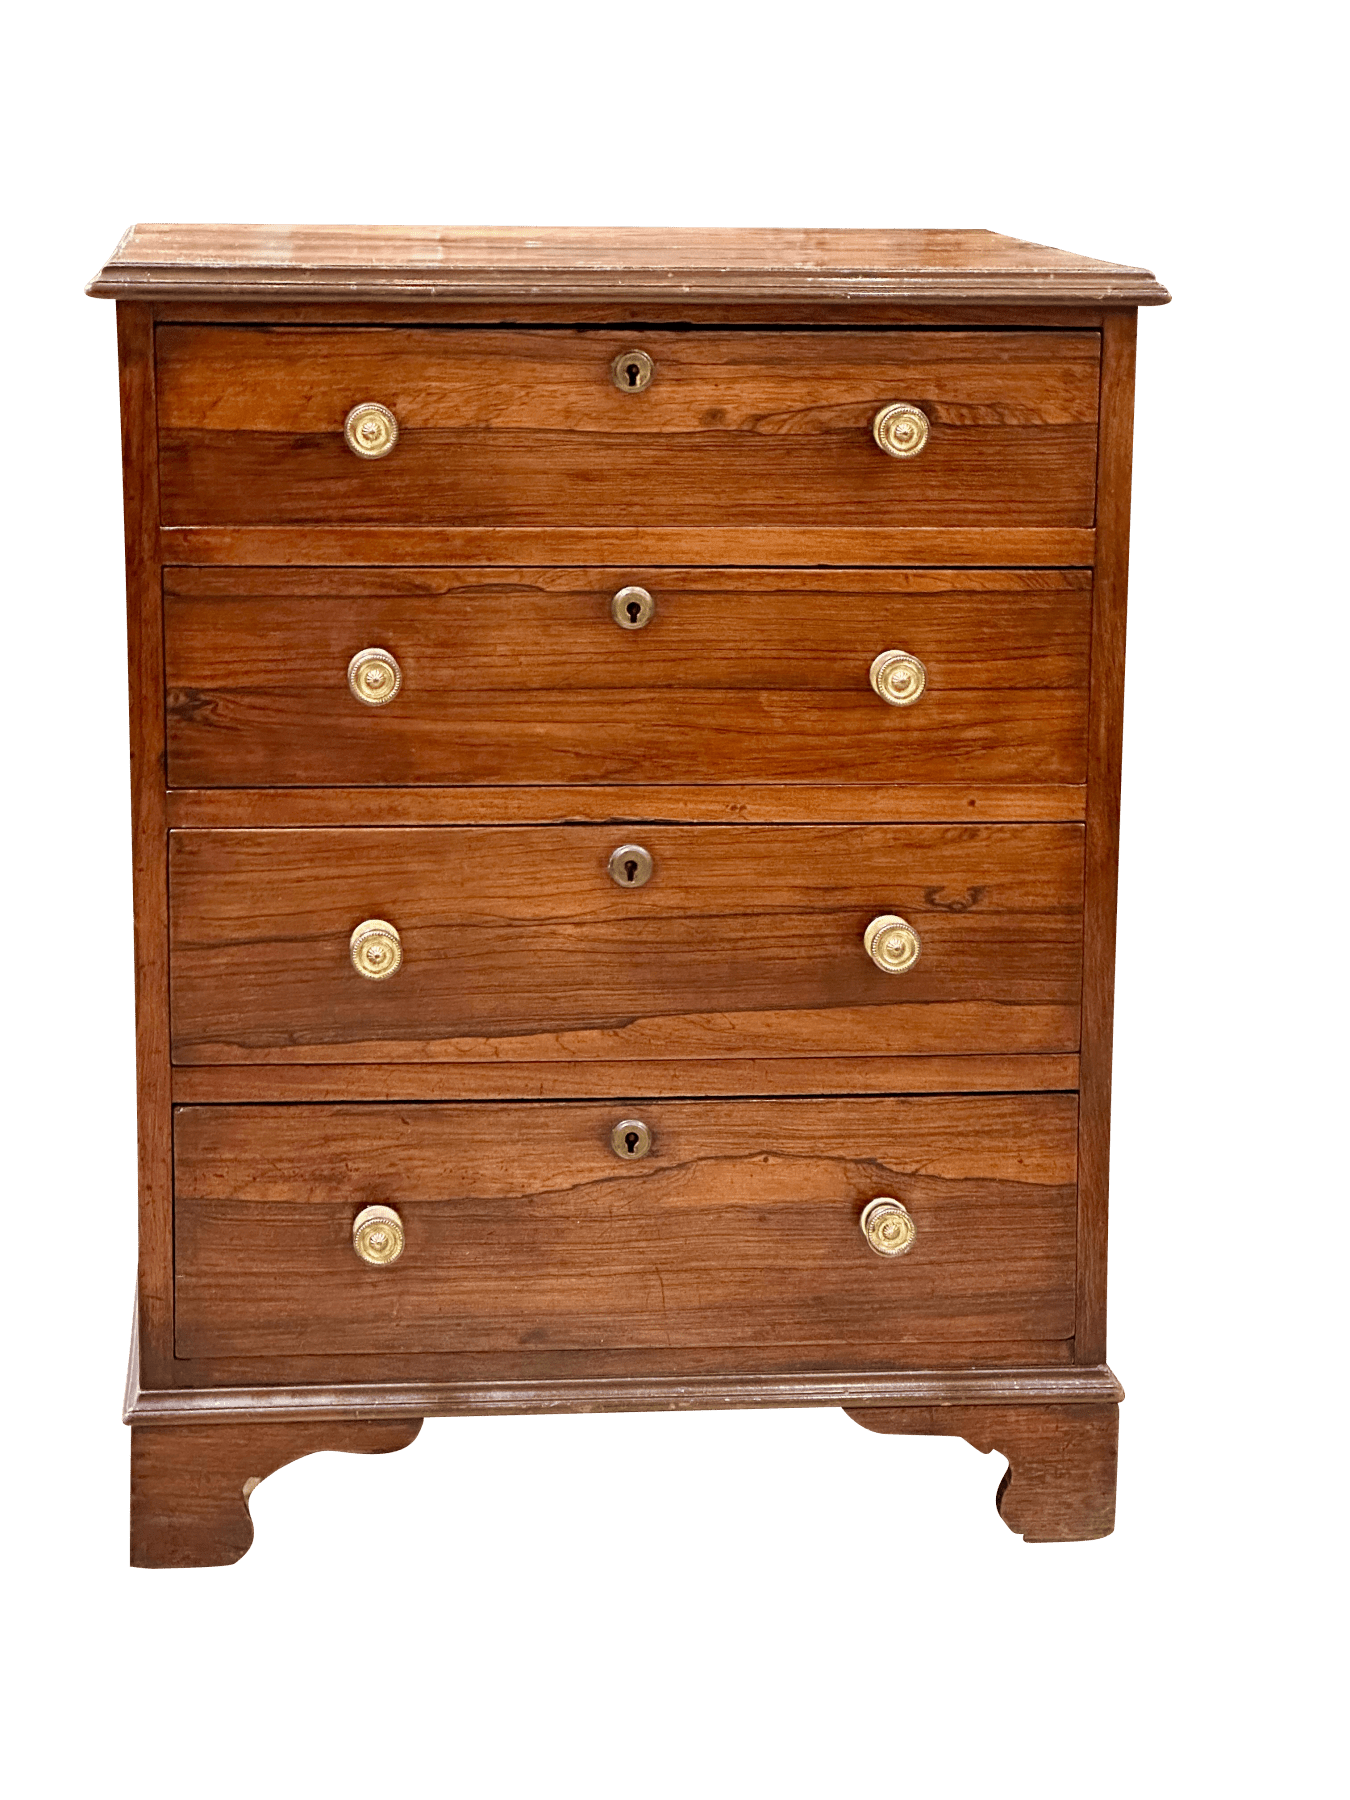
(631, 1139)
(634, 611)
(633, 373)
(629, 866)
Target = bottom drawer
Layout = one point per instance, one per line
(522, 1227)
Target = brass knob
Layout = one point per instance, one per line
(898, 677)
(631, 371)
(375, 677)
(371, 430)
(892, 943)
(377, 1235)
(887, 1226)
(900, 429)
(376, 950)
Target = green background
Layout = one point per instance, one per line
(706, 1604)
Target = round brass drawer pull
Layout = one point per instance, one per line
(375, 677)
(901, 429)
(371, 430)
(887, 1226)
(632, 608)
(376, 950)
(630, 1140)
(898, 677)
(892, 943)
(631, 371)
(377, 1235)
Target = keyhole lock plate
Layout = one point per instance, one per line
(632, 608)
(630, 1140)
(631, 371)
(630, 866)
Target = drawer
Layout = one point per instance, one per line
(517, 944)
(521, 1228)
(524, 676)
(526, 428)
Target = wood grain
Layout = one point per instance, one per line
(796, 803)
(621, 547)
(616, 1381)
(523, 1228)
(614, 309)
(190, 1483)
(524, 677)
(535, 1378)
(525, 428)
(1102, 839)
(219, 1083)
(360, 263)
(145, 667)
(1060, 1484)
(656, 1377)
(517, 945)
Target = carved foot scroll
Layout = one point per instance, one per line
(190, 1483)
(1061, 1478)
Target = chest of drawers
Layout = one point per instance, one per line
(625, 762)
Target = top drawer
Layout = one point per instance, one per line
(526, 428)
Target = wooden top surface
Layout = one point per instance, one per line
(433, 262)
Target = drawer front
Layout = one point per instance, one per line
(526, 428)
(517, 944)
(739, 675)
(522, 1229)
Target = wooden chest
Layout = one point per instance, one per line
(625, 763)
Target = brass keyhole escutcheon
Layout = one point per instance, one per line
(630, 866)
(631, 371)
(630, 1140)
(632, 608)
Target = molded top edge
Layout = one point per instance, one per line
(416, 262)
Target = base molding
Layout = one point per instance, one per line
(1065, 1384)
(198, 1453)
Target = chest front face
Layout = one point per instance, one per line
(625, 841)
